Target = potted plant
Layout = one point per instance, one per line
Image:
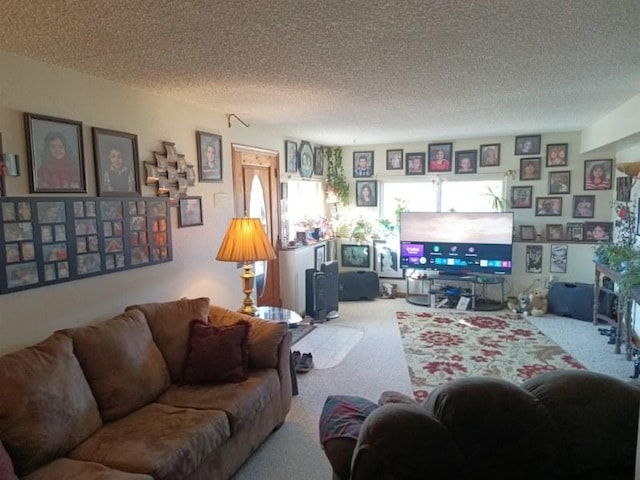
(336, 182)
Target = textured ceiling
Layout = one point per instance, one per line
(343, 72)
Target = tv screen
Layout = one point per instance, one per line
(457, 243)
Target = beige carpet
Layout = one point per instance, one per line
(329, 344)
(300, 331)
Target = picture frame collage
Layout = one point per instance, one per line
(56, 163)
(306, 159)
(48, 240)
(558, 258)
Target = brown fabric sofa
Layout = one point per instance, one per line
(104, 401)
(561, 425)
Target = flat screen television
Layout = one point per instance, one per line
(457, 243)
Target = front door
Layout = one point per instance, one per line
(256, 182)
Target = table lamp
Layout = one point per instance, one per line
(246, 241)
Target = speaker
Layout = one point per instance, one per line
(360, 285)
(571, 300)
(330, 269)
(315, 294)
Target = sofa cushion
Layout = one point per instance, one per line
(217, 354)
(121, 362)
(6, 465)
(264, 338)
(46, 405)
(163, 441)
(242, 402)
(169, 323)
(68, 469)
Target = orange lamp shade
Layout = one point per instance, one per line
(245, 241)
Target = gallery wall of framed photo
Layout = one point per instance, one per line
(49, 240)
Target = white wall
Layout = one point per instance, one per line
(580, 268)
(28, 86)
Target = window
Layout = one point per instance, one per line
(305, 199)
(426, 195)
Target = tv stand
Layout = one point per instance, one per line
(429, 291)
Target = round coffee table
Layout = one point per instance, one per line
(277, 314)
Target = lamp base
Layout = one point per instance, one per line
(248, 280)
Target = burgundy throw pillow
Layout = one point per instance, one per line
(6, 466)
(217, 354)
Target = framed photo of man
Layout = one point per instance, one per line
(363, 164)
(116, 158)
(209, 146)
(56, 154)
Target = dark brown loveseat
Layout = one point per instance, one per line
(563, 425)
(104, 402)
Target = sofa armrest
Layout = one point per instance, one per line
(269, 346)
(265, 336)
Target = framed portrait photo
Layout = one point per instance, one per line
(394, 159)
(534, 259)
(366, 193)
(527, 233)
(560, 182)
(305, 160)
(528, 145)
(189, 211)
(291, 155)
(490, 155)
(598, 231)
(55, 153)
(558, 259)
(116, 158)
(440, 156)
(530, 168)
(414, 163)
(557, 155)
(548, 206)
(555, 231)
(598, 174)
(466, 161)
(386, 260)
(583, 206)
(521, 196)
(355, 256)
(209, 156)
(318, 161)
(363, 164)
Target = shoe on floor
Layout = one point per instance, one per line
(305, 364)
(295, 357)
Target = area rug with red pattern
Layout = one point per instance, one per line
(442, 345)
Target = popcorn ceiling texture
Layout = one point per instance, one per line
(360, 71)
